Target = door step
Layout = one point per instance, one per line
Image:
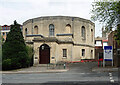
(41, 65)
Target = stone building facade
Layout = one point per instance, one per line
(60, 38)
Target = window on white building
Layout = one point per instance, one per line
(68, 28)
(83, 33)
(92, 35)
(83, 52)
(91, 53)
(51, 30)
(65, 53)
(26, 31)
(36, 29)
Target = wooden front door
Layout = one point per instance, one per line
(44, 53)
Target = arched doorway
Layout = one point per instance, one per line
(44, 54)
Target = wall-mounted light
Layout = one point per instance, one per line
(42, 47)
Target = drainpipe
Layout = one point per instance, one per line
(72, 37)
(32, 26)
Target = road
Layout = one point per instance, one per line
(79, 74)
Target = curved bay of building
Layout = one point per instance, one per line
(60, 38)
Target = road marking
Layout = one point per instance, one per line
(111, 75)
(111, 78)
(112, 81)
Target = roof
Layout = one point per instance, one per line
(100, 38)
(57, 17)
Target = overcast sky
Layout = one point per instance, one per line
(22, 10)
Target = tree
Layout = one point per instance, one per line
(117, 34)
(106, 11)
(14, 52)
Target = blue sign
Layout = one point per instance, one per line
(108, 55)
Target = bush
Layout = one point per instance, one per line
(24, 59)
(6, 64)
(30, 54)
(15, 64)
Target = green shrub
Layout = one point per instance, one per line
(6, 64)
(15, 64)
(14, 48)
(30, 54)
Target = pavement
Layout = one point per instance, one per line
(45, 69)
(105, 69)
(35, 69)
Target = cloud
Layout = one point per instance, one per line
(22, 10)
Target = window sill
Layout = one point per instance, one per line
(64, 57)
(83, 38)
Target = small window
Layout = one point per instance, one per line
(91, 53)
(92, 34)
(83, 32)
(36, 29)
(51, 30)
(83, 52)
(68, 28)
(65, 53)
(3, 33)
(26, 31)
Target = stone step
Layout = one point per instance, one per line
(41, 65)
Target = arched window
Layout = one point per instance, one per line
(92, 34)
(51, 30)
(26, 31)
(36, 29)
(68, 28)
(83, 32)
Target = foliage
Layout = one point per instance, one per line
(14, 48)
(30, 54)
(106, 11)
(6, 64)
(117, 34)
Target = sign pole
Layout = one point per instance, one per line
(103, 59)
(112, 56)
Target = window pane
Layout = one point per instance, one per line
(83, 31)
(3, 33)
(64, 52)
(83, 52)
(51, 30)
(26, 31)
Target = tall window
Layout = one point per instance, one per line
(36, 29)
(26, 31)
(91, 53)
(83, 32)
(92, 34)
(3, 33)
(6, 33)
(83, 52)
(51, 30)
(68, 28)
(65, 53)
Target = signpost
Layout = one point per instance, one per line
(108, 54)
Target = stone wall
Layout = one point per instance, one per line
(67, 34)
